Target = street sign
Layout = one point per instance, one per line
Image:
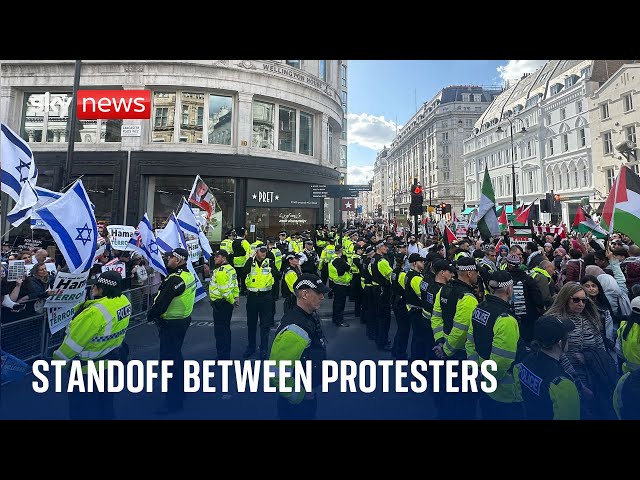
(439, 210)
(338, 191)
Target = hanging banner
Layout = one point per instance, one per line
(120, 236)
(60, 316)
(116, 267)
(195, 251)
(68, 288)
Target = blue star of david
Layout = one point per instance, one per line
(80, 231)
(153, 247)
(22, 165)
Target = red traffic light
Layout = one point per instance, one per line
(417, 190)
(556, 197)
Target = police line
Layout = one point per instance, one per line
(366, 376)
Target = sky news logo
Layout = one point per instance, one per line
(113, 104)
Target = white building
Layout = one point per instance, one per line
(538, 129)
(615, 112)
(380, 187)
(430, 145)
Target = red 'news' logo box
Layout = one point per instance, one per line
(113, 104)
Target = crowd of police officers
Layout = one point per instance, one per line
(450, 310)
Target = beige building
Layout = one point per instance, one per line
(615, 112)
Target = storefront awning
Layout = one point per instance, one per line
(467, 211)
(509, 209)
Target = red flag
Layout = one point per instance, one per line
(523, 216)
(447, 238)
(579, 218)
(348, 205)
(498, 245)
(503, 217)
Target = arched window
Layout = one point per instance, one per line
(558, 175)
(583, 174)
(565, 176)
(551, 181)
(573, 170)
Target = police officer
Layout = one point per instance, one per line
(462, 250)
(397, 300)
(527, 298)
(340, 276)
(422, 340)
(241, 250)
(228, 241)
(309, 259)
(290, 276)
(327, 255)
(450, 320)
(629, 338)
(277, 258)
(381, 275)
(367, 315)
(283, 244)
(547, 391)
(256, 244)
(171, 312)
(224, 294)
(413, 285)
(261, 274)
(626, 396)
(321, 239)
(494, 335)
(300, 337)
(356, 284)
(96, 333)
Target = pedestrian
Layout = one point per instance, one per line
(300, 337)
(96, 333)
(548, 392)
(224, 294)
(413, 284)
(171, 312)
(260, 274)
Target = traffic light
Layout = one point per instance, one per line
(445, 208)
(416, 200)
(546, 203)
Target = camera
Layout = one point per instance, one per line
(627, 148)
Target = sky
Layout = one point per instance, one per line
(385, 92)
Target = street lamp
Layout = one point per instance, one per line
(513, 156)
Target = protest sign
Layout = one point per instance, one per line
(120, 236)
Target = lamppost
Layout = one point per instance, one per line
(513, 156)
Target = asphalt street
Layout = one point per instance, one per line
(20, 401)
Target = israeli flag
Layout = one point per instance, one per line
(147, 246)
(45, 197)
(72, 224)
(189, 224)
(24, 206)
(172, 237)
(17, 163)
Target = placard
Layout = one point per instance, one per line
(120, 236)
(60, 316)
(116, 267)
(68, 288)
(195, 251)
(15, 270)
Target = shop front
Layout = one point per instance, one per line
(274, 206)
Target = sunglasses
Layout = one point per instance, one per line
(578, 300)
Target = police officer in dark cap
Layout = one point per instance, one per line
(494, 335)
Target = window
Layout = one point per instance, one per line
(293, 63)
(200, 119)
(576, 183)
(551, 146)
(579, 106)
(528, 149)
(445, 150)
(611, 176)
(192, 110)
(262, 124)
(530, 181)
(306, 134)
(551, 180)
(344, 102)
(606, 143)
(556, 88)
(565, 142)
(584, 72)
(445, 176)
(604, 111)
(344, 75)
(499, 189)
(570, 80)
(563, 113)
(547, 120)
(445, 191)
(287, 129)
(220, 120)
(582, 139)
(517, 184)
(627, 103)
(322, 70)
(343, 156)
(343, 133)
(445, 136)
(507, 185)
(163, 115)
(468, 122)
(585, 175)
(630, 132)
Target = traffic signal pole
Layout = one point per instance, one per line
(415, 217)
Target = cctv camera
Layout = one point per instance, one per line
(626, 146)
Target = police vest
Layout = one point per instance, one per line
(277, 255)
(182, 305)
(240, 253)
(484, 319)
(260, 278)
(344, 279)
(254, 246)
(376, 276)
(289, 278)
(320, 240)
(355, 264)
(224, 280)
(329, 253)
(410, 296)
(226, 245)
(488, 264)
(104, 320)
(629, 335)
(461, 254)
(429, 297)
(365, 274)
(450, 294)
(397, 289)
(543, 383)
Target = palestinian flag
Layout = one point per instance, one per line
(487, 219)
(522, 216)
(447, 238)
(584, 224)
(621, 212)
(503, 217)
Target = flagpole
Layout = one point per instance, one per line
(72, 119)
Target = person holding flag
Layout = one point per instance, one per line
(171, 312)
